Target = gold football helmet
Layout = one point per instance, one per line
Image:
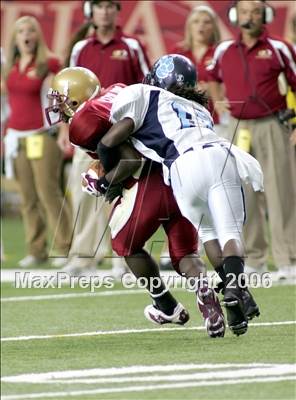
(70, 88)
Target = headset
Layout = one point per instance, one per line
(87, 9)
(88, 5)
(268, 13)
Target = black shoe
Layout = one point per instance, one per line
(251, 309)
(165, 264)
(233, 302)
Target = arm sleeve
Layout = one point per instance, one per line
(54, 65)
(75, 53)
(289, 59)
(132, 102)
(87, 128)
(213, 72)
(143, 64)
(139, 59)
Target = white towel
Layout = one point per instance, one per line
(11, 146)
(248, 167)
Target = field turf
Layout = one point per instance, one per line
(100, 346)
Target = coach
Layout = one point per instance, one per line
(113, 57)
(249, 67)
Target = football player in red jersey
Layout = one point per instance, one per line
(145, 203)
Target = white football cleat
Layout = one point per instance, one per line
(261, 269)
(73, 269)
(180, 315)
(286, 272)
(59, 262)
(31, 261)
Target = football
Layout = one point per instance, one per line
(95, 170)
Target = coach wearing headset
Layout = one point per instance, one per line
(113, 57)
(249, 67)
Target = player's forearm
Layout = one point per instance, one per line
(124, 169)
(118, 133)
(107, 148)
(129, 163)
(215, 91)
(220, 103)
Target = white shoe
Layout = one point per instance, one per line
(180, 315)
(30, 261)
(59, 262)
(261, 269)
(286, 272)
(73, 269)
(118, 272)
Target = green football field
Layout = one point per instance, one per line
(70, 343)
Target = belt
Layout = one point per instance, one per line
(208, 145)
(204, 146)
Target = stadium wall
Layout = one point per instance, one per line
(159, 24)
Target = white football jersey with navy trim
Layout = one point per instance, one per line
(166, 125)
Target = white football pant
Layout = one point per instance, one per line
(208, 191)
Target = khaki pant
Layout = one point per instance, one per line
(43, 200)
(270, 146)
(91, 234)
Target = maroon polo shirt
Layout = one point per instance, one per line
(123, 59)
(250, 75)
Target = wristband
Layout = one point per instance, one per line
(108, 156)
(102, 185)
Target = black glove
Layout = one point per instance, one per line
(113, 192)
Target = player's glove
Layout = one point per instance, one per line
(113, 192)
(99, 186)
(93, 185)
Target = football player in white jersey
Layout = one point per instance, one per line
(145, 201)
(204, 170)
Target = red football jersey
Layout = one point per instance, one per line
(91, 120)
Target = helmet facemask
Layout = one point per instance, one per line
(60, 107)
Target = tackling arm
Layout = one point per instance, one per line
(109, 184)
(116, 135)
(130, 161)
(119, 162)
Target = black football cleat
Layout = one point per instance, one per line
(233, 302)
(251, 309)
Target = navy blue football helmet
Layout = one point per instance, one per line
(172, 71)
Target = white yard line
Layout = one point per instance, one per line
(73, 295)
(128, 331)
(133, 369)
(146, 388)
(256, 372)
(27, 275)
(276, 370)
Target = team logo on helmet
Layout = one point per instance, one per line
(165, 67)
(180, 79)
(172, 71)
